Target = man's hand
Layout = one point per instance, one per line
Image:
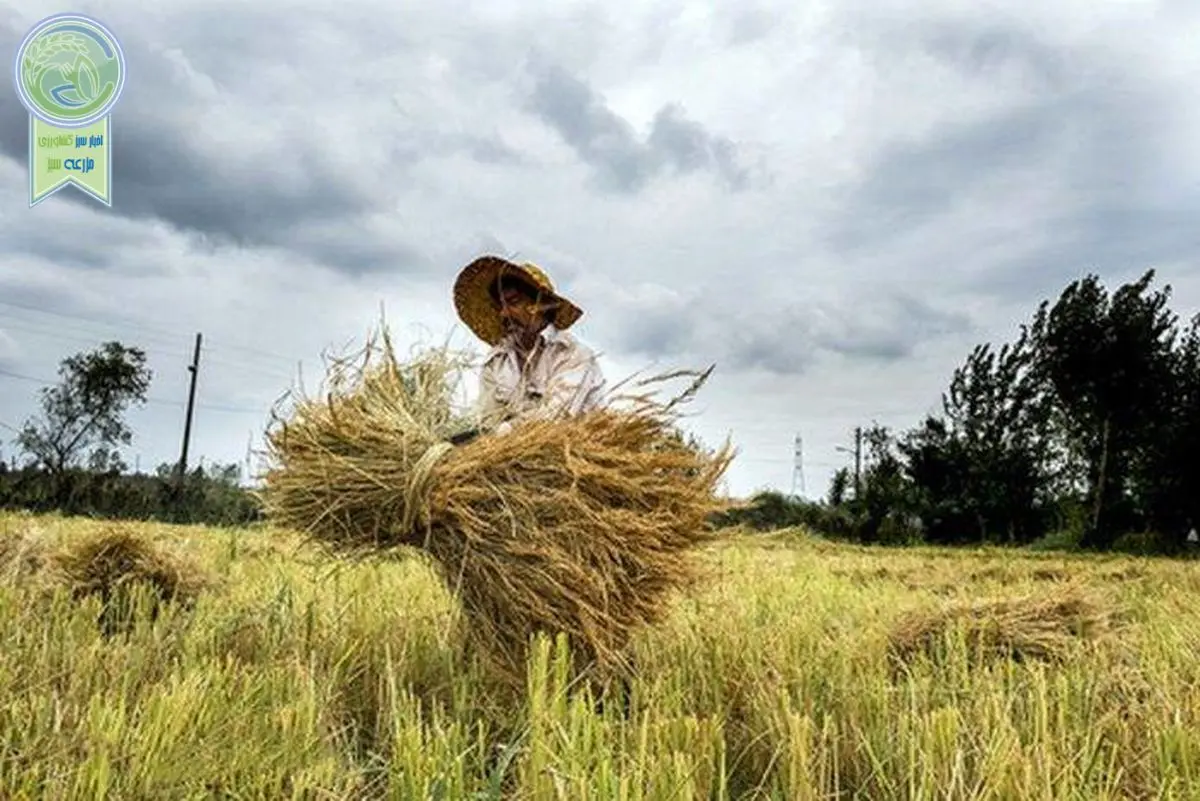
(464, 437)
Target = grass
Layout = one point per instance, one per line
(304, 678)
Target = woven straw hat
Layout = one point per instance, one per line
(476, 308)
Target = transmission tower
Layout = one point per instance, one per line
(798, 466)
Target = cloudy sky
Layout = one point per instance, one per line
(832, 202)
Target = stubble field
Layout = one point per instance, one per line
(807, 670)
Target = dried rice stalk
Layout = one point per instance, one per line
(583, 526)
(1044, 627)
(21, 556)
(112, 564)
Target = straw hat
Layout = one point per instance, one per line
(476, 308)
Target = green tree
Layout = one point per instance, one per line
(839, 487)
(1166, 473)
(1112, 365)
(887, 501)
(987, 468)
(82, 419)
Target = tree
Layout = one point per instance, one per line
(880, 507)
(82, 419)
(989, 467)
(1111, 364)
(1166, 472)
(887, 492)
(839, 486)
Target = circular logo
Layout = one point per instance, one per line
(70, 71)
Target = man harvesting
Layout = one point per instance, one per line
(535, 368)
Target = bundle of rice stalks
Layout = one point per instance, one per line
(116, 565)
(1043, 627)
(21, 556)
(583, 526)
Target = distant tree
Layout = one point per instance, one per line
(1166, 470)
(987, 468)
(881, 508)
(1112, 365)
(839, 487)
(82, 420)
(885, 488)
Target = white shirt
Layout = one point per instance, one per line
(561, 378)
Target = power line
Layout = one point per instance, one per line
(160, 332)
(69, 316)
(83, 335)
(212, 407)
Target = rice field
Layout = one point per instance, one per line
(806, 670)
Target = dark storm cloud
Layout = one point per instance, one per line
(350, 248)
(66, 244)
(609, 144)
(1092, 133)
(159, 172)
(1110, 239)
(910, 183)
(167, 167)
(652, 332)
(763, 335)
(25, 295)
(888, 328)
(986, 47)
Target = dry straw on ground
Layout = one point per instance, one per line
(21, 556)
(116, 564)
(583, 526)
(1044, 626)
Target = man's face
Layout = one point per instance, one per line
(521, 309)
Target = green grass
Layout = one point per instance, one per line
(305, 678)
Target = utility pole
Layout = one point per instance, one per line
(247, 467)
(798, 466)
(857, 460)
(194, 369)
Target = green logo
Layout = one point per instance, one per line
(70, 71)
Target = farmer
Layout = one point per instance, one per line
(535, 368)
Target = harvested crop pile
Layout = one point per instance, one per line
(1044, 626)
(115, 564)
(21, 556)
(583, 526)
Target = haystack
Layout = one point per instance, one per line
(582, 526)
(1045, 626)
(21, 556)
(116, 565)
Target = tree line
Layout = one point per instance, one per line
(1084, 428)
(69, 457)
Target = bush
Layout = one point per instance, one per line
(212, 498)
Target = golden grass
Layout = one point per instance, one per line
(585, 526)
(311, 677)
